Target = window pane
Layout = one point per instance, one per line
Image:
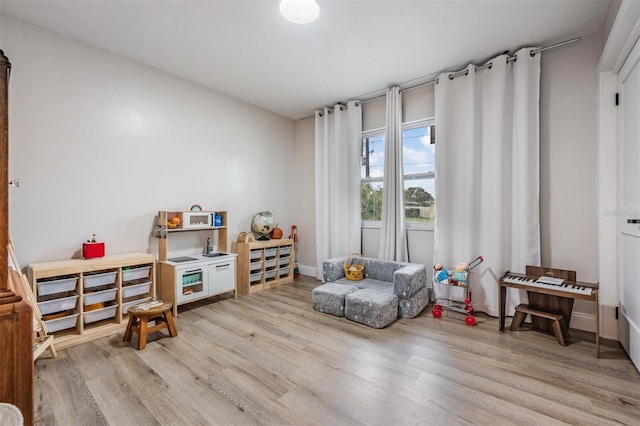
(371, 175)
(419, 161)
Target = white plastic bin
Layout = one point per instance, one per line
(100, 314)
(270, 263)
(62, 323)
(284, 271)
(254, 266)
(270, 252)
(100, 296)
(255, 277)
(270, 274)
(57, 305)
(99, 279)
(56, 286)
(285, 260)
(134, 290)
(255, 254)
(284, 250)
(135, 274)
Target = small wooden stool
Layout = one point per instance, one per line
(140, 315)
(558, 324)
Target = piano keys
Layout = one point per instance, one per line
(540, 282)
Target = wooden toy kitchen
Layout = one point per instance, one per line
(187, 271)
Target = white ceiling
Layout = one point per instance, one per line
(356, 48)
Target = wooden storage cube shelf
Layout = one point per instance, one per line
(263, 264)
(102, 290)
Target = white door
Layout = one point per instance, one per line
(222, 277)
(629, 206)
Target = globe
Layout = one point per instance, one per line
(262, 223)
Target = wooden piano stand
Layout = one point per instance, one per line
(549, 306)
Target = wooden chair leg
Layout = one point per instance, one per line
(129, 330)
(142, 341)
(173, 332)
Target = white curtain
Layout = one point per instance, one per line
(338, 148)
(487, 173)
(393, 244)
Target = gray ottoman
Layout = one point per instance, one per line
(329, 298)
(371, 307)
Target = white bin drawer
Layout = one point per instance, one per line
(270, 263)
(58, 305)
(135, 274)
(255, 254)
(100, 296)
(284, 261)
(99, 279)
(100, 314)
(284, 271)
(254, 266)
(270, 274)
(134, 290)
(62, 323)
(284, 250)
(255, 277)
(270, 252)
(56, 286)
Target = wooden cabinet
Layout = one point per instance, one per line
(16, 325)
(264, 264)
(183, 279)
(85, 299)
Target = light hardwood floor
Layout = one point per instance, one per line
(269, 358)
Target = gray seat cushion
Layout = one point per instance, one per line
(329, 298)
(371, 307)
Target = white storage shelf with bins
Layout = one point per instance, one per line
(263, 264)
(85, 299)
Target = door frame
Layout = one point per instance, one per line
(624, 33)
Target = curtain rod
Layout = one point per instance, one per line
(365, 99)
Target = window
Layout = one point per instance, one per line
(419, 163)
(371, 175)
(418, 153)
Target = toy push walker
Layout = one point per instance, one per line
(455, 277)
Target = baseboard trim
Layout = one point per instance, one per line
(582, 321)
(306, 270)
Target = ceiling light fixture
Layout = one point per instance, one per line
(300, 11)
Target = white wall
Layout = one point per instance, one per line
(568, 149)
(101, 144)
